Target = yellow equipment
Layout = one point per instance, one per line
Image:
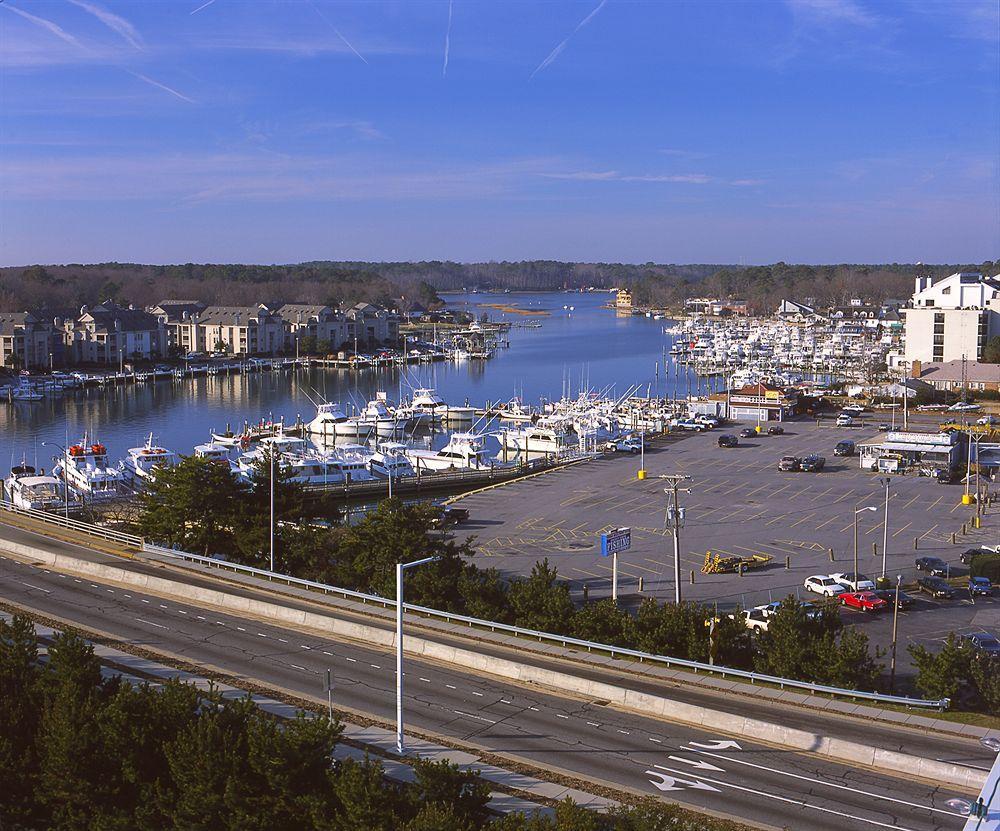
(715, 563)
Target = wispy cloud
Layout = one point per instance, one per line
(447, 41)
(683, 154)
(48, 25)
(158, 85)
(616, 176)
(336, 31)
(203, 6)
(115, 22)
(555, 53)
(829, 12)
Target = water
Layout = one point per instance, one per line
(586, 348)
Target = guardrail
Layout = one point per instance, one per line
(75, 525)
(563, 640)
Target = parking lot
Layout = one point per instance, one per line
(738, 504)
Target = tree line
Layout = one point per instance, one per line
(201, 507)
(81, 752)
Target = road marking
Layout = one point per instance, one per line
(353, 660)
(428, 680)
(901, 530)
(669, 783)
(261, 635)
(560, 715)
(127, 595)
(94, 586)
(376, 666)
(696, 763)
(110, 591)
(77, 581)
(298, 667)
(303, 646)
(658, 741)
(241, 628)
(593, 724)
(804, 804)
(477, 718)
(162, 606)
(327, 653)
(717, 745)
(181, 612)
(505, 701)
(144, 600)
(451, 686)
(39, 588)
(625, 732)
(157, 625)
(827, 783)
(477, 693)
(535, 709)
(282, 640)
(200, 617)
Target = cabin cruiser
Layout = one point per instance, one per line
(87, 472)
(142, 463)
(281, 445)
(548, 435)
(29, 491)
(25, 391)
(425, 408)
(328, 416)
(463, 451)
(214, 452)
(389, 460)
(515, 411)
(375, 419)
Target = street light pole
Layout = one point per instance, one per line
(65, 480)
(271, 458)
(857, 511)
(675, 516)
(400, 568)
(885, 524)
(895, 618)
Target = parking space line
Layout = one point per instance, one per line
(901, 530)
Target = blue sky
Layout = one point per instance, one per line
(288, 130)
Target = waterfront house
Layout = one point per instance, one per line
(327, 327)
(759, 402)
(180, 319)
(112, 334)
(241, 330)
(372, 326)
(25, 341)
(951, 375)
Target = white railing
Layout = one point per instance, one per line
(75, 525)
(563, 640)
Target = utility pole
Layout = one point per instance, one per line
(885, 524)
(857, 511)
(674, 521)
(271, 458)
(895, 618)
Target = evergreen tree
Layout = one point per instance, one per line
(604, 622)
(985, 674)
(20, 708)
(541, 601)
(945, 673)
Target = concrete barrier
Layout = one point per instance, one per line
(637, 701)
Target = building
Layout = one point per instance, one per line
(327, 327)
(758, 402)
(113, 334)
(26, 341)
(951, 375)
(951, 318)
(238, 330)
(371, 326)
(899, 451)
(179, 316)
(623, 299)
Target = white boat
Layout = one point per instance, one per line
(214, 452)
(29, 491)
(463, 451)
(552, 437)
(515, 411)
(328, 416)
(425, 408)
(25, 391)
(459, 415)
(88, 473)
(376, 419)
(389, 460)
(142, 463)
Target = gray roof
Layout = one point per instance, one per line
(106, 315)
(290, 311)
(233, 315)
(174, 309)
(952, 371)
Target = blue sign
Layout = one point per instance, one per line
(616, 541)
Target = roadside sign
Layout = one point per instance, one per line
(616, 541)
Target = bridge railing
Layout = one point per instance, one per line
(76, 525)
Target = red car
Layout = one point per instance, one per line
(865, 601)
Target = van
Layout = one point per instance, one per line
(844, 448)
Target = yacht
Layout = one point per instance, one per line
(376, 419)
(87, 472)
(425, 408)
(284, 448)
(142, 463)
(328, 416)
(213, 451)
(29, 491)
(463, 451)
(25, 391)
(389, 460)
(547, 436)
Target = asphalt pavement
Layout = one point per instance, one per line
(702, 769)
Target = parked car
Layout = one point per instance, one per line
(823, 584)
(967, 555)
(988, 421)
(944, 476)
(889, 596)
(844, 420)
(755, 619)
(690, 424)
(747, 433)
(964, 407)
(980, 586)
(865, 601)
(852, 410)
(813, 464)
(776, 430)
(811, 609)
(629, 444)
(728, 440)
(936, 587)
(983, 641)
(934, 565)
(452, 516)
(883, 427)
(790, 463)
(707, 420)
(844, 448)
(854, 582)
(769, 609)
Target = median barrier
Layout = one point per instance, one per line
(643, 703)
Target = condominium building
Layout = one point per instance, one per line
(329, 328)
(25, 340)
(240, 330)
(951, 318)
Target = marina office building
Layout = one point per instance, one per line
(952, 318)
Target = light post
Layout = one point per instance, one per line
(895, 618)
(270, 456)
(65, 480)
(885, 524)
(856, 512)
(400, 568)
(674, 520)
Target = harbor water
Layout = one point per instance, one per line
(558, 352)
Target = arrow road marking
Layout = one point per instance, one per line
(717, 745)
(789, 800)
(696, 763)
(669, 783)
(828, 784)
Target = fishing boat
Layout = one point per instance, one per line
(389, 460)
(31, 491)
(463, 451)
(376, 419)
(25, 391)
(548, 435)
(328, 416)
(141, 463)
(87, 471)
(424, 409)
(214, 452)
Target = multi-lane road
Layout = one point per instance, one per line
(725, 774)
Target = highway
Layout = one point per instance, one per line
(725, 774)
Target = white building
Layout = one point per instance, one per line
(951, 318)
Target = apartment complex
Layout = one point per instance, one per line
(25, 341)
(951, 318)
(112, 334)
